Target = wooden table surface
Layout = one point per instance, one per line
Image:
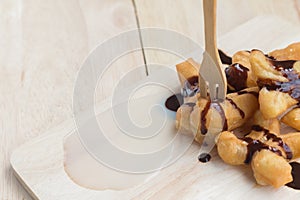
(43, 43)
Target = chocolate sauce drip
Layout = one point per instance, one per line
(218, 107)
(236, 107)
(203, 118)
(256, 145)
(296, 176)
(174, 102)
(248, 92)
(204, 157)
(225, 59)
(236, 75)
(190, 87)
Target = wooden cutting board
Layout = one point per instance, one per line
(39, 164)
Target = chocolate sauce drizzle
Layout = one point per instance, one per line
(292, 87)
(236, 75)
(296, 176)
(280, 65)
(256, 145)
(203, 118)
(218, 107)
(191, 87)
(236, 107)
(248, 92)
(241, 93)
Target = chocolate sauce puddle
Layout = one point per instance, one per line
(204, 157)
(190, 89)
(174, 102)
(296, 176)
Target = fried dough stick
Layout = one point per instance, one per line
(279, 81)
(266, 151)
(291, 52)
(188, 74)
(292, 118)
(233, 113)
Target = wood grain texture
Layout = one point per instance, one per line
(179, 181)
(44, 42)
(186, 17)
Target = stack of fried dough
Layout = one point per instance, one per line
(264, 90)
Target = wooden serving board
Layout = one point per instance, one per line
(39, 164)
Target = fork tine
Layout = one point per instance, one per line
(212, 73)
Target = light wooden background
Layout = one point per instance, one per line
(43, 43)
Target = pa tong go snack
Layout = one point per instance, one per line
(264, 91)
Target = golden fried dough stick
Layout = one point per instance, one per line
(233, 151)
(262, 68)
(292, 118)
(188, 73)
(183, 118)
(291, 52)
(242, 57)
(293, 141)
(187, 70)
(279, 81)
(265, 147)
(268, 154)
(234, 112)
(239, 75)
(271, 169)
(274, 103)
(272, 124)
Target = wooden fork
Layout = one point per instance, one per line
(211, 67)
